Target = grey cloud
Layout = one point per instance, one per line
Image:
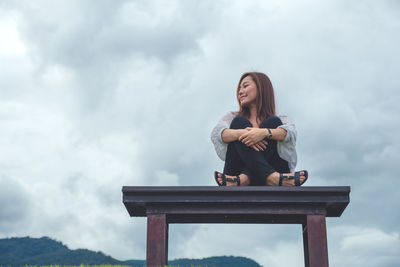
(97, 46)
(15, 205)
(76, 36)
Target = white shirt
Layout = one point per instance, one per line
(286, 148)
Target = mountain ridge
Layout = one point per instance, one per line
(21, 251)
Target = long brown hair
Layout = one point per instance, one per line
(265, 101)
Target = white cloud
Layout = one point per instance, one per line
(358, 246)
(11, 44)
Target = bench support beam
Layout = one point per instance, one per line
(157, 240)
(315, 241)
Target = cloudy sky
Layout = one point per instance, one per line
(95, 95)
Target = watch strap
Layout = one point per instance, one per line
(269, 133)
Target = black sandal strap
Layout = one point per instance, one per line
(226, 179)
(216, 178)
(234, 180)
(305, 175)
(223, 179)
(281, 177)
(297, 178)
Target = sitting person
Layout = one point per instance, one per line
(259, 147)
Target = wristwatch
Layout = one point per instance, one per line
(269, 134)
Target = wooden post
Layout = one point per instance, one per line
(157, 240)
(315, 242)
(305, 245)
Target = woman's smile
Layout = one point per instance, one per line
(242, 97)
(247, 91)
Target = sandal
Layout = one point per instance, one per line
(296, 178)
(226, 179)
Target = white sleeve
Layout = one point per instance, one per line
(216, 138)
(287, 147)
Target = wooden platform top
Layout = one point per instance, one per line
(215, 204)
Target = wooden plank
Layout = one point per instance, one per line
(238, 213)
(334, 199)
(157, 240)
(208, 189)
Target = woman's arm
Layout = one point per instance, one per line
(278, 134)
(253, 136)
(230, 135)
(216, 134)
(221, 135)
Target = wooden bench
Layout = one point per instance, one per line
(304, 205)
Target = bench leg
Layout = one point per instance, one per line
(157, 240)
(315, 241)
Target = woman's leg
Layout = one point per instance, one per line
(271, 153)
(259, 166)
(233, 163)
(243, 159)
(272, 157)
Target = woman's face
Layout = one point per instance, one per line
(247, 94)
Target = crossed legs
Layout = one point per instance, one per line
(255, 167)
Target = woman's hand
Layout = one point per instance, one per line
(260, 146)
(253, 136)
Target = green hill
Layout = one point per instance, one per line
(45, 251)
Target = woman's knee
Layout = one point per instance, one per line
(240, 122)
(271, 122)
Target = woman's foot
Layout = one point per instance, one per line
(287, 179)
(244, 179)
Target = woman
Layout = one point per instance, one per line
(258, 147)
